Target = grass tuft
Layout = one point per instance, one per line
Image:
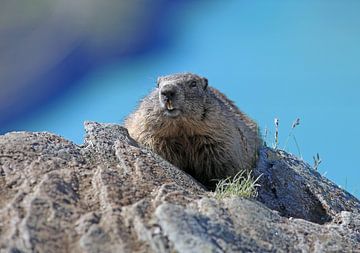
(241, 185)
(317, 161)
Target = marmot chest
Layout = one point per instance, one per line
(189, 151)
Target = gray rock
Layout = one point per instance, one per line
(111, 195)
(294, 189)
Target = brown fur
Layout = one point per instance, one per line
(210, 138)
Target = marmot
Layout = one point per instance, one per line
(196, 128)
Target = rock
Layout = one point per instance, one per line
(294, 189)
(111, 195)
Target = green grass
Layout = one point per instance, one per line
(241, 185)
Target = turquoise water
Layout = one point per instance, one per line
(283, 59)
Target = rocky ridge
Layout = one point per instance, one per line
(111, 195)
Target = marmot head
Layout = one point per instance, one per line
(182, 95)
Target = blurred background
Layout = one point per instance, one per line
(63, 62)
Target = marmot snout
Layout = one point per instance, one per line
(169, 100)
(196, 128)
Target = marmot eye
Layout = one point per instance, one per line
(193, 84)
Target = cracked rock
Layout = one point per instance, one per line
(112, 195)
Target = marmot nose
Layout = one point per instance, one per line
(168, 93)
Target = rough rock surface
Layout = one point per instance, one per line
(110, 195)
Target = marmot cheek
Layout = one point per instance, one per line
(162, 103)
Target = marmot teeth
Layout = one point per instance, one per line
(169, 105)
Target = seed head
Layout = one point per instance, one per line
(276, 121)
(296, 123)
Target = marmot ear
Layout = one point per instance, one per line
(206, 83)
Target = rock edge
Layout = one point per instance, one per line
(111, 195)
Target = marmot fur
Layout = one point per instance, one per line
(196, 128)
